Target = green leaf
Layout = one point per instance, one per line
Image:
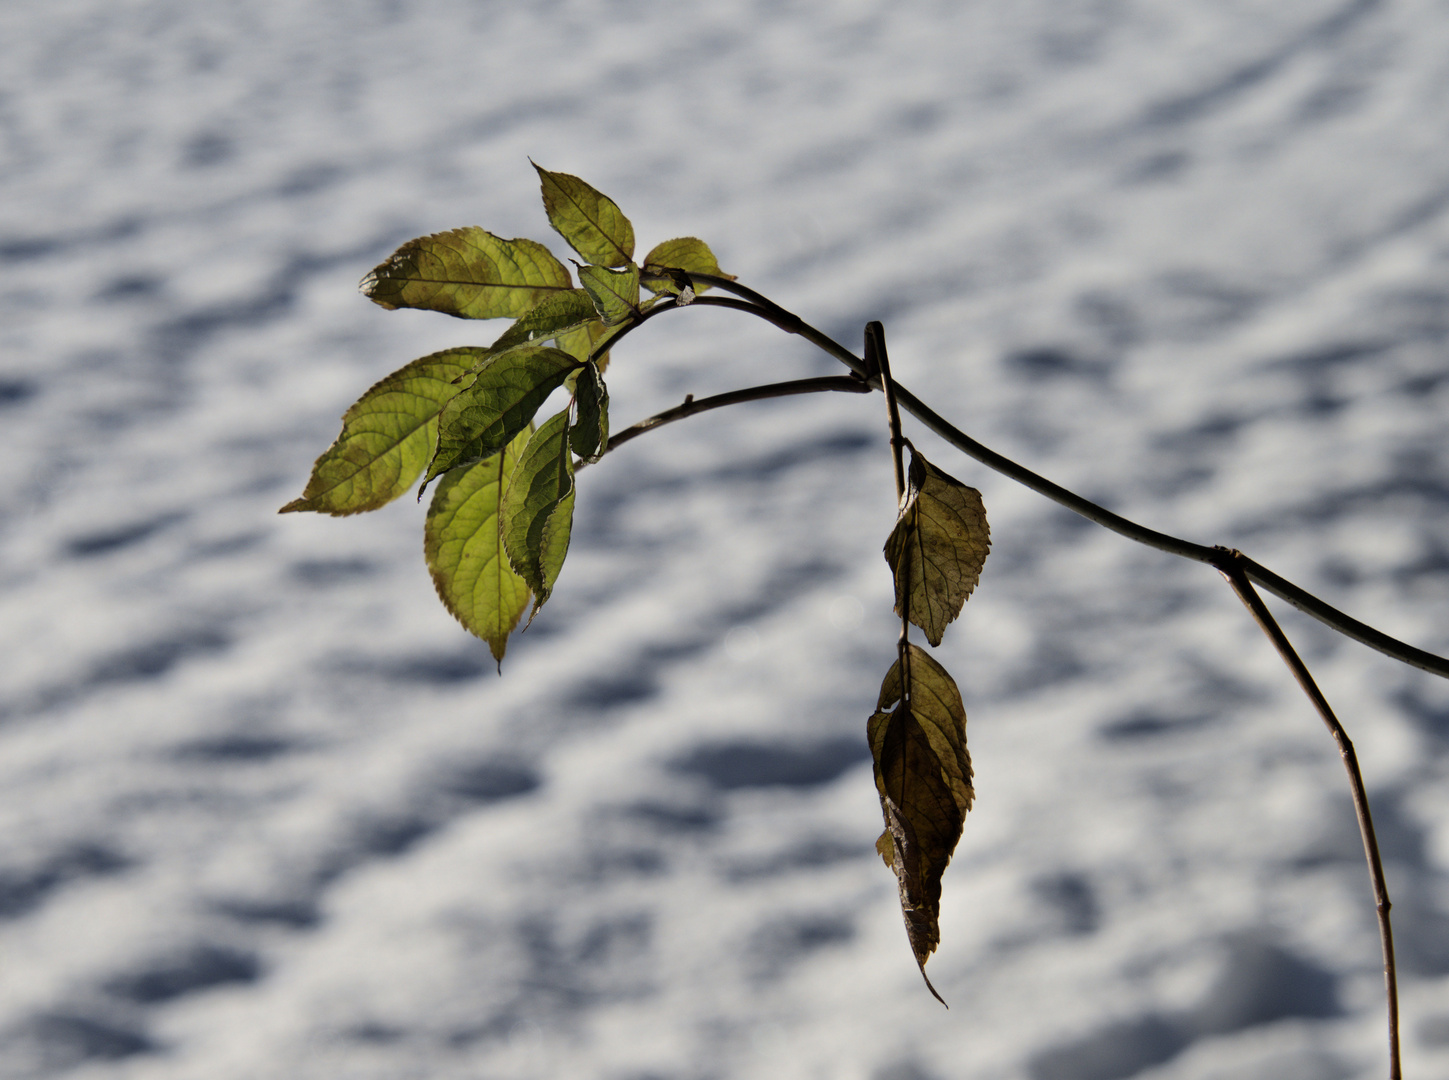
(923, 777)
(589, 436)
(937, 548)
(498, 403)
(387, 437)
(538, 508)
(591, 222)
(464, 550)
(469, 273)
(686, 253)
(554, 316)
(615, 292)
(580, 343)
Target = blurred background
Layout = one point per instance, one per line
(269, 812)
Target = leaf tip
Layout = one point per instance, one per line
(295, 505)
(370, 285)
(931, 988)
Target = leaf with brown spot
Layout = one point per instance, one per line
(938, 547)
(468, 273)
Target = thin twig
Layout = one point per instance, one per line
(1231, 565)
(847, 383)
(1280, 587)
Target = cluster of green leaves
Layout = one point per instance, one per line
(499, 522)
(918, 732)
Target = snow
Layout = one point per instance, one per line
(270, 811)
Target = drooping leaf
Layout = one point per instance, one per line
(496, 404)
(590, 221)
(581, 342)
(937, 548)
(387, 437)
(553, 317)
(923, 777)
(464, 549)
(615, 292)
(469, 273)
(538, 508)
(589, 436)
(686, 253)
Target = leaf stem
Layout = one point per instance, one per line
(1260, 575)
(1232, 565)
(877, 361)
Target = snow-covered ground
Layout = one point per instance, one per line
(269, 812)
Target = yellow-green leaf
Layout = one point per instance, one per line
(469, 273)
(387, 437)
(937, 548)
(580, 342)
(552, 318)
(923, 776)
(464, 550)
(496, 404)
(590, 221)
(538, 508)
(686, 253)
(615, 293)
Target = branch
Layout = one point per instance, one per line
(1300, 598)
(1237, 576)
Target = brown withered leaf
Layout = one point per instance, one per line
(937, 548)
(923, 777)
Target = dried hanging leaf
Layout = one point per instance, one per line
(938, 547)
(923, 777)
